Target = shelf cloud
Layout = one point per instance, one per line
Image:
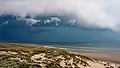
(94, 13)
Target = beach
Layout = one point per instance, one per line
(105, 55)
(110, 56)
(97, 53)
(100, 54)
(17, 55)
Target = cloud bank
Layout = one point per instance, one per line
(94, 13)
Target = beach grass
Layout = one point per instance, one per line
(24, 56)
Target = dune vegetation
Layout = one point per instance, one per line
(24, 56)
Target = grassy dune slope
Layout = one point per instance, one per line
(24, 56)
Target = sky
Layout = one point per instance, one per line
(95, 13)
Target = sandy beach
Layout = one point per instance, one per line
(105, 55)
(56, 57)
(109, 56)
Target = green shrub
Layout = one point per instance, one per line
(23, 65)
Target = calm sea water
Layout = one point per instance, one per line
(79, 45)
(86, 46)
(51, 35)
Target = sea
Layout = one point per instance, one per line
(15, 30)
(85, 46)
(79, 46)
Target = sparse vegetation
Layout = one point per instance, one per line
(20, 56)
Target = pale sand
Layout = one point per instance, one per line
(110, 56)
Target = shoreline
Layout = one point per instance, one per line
(108, 56)
(103, 55)
(41, 54)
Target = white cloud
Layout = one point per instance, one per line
(47, 21)
(95, 13)
(31, 22)
(55, 19)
